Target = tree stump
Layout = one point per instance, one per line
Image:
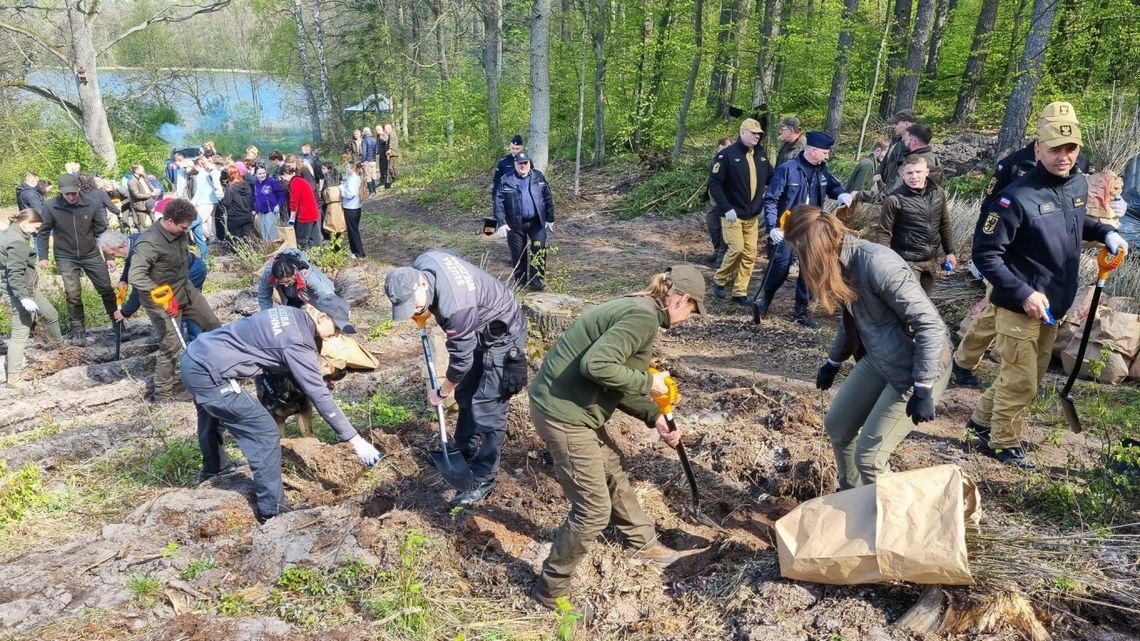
(972, 611)
(550, 314)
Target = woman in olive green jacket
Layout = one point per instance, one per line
(18, 264)
(598, 365)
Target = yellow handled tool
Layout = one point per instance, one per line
(163, 296)
(120, 298)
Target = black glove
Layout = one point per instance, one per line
(826, 375)
(515, 373)
(920, 407)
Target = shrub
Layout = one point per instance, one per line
(668, 194)
(19, 492)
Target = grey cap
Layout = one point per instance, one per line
(400, 286)
(337, 309)
(687, 279)
(69, 184)
(522, 157)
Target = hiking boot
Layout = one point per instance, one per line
(584, 611)
(16, 381)
(978, 431)
(802, 317)
(760, 308)
(656, 554)
(963, 377)
(741, 300)
(262, 518)
(474, 495)
(78, 336)
(718, 291)
(204, 476)
(172, 396)
(1014, 456)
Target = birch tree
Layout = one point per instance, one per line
(538, 135)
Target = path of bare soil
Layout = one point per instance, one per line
(754, 432)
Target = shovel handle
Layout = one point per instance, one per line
(421, 319)
(1106, 262)
(666, 401)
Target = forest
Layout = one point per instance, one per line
(596, 78)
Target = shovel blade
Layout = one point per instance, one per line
(1071, 414)
(453, 468)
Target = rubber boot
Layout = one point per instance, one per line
(802, 317)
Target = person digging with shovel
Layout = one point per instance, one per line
(898, 339)
(599, 365)
(1028, 246)
(486, 331)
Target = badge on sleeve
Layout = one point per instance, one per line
(990, 187)
(716, 167)
(990, 225)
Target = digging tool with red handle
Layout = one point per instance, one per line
(163, 296)
(1105, 263)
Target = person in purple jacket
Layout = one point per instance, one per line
(268, 198)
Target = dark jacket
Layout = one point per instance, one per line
(28, 197)
(160, 258)
(17, 263)
(790, 150)
(1016, 165)
(75, 228)
(599, 364)
(368, 149)
(863, 174)
(238, 202)
(473, 308)
(505, 167)
(196, 273)
(891, 319)
(1030, 240)
(798, 182)
(269, 195)
(524, 199)
(277, 340)
(888, 168)
(916, 224)
(729, 182)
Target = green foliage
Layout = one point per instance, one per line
(330, 257)
(968, 186)
(93, 311)
(175, 462)
(146, 588)
(667, 194)
(380, 410)
(20, 491)
(170, 550)
(566, 619)
(197, 567)
(233, 604)
(381, 330)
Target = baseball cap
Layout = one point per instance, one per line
(1059, 112)
(400, 287)
(522, 157)
(69, 184)
(906, 115)
(819, 140)
(516, 139)
(750, 124)
(1055, 134)
(688, 280)
(791, 122)
(335, 308)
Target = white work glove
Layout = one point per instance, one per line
(845, 199)
(501, 232)
(30, 305)
(1115, 242)
(1118, 206)
(277, 209)
(730, 215)
(550, 227)
(368, 454)
(777, 235)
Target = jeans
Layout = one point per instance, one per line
(267, 223)
(308, 235)
(780, 259)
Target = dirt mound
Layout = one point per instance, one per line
(335, 467)
(352, 285)
(197, 627)
(962, 153)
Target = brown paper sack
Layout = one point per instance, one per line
(1120, 330)
(1066, 332)
(1104, 187)
(1079, 310)
(288, 236)
(342, 352)
(1134, 369)
(1115, 367)
(334, 211)
(909, 526)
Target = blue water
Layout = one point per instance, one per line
(225, 101)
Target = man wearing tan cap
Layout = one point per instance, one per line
(981, 334)
(1027, 245)
(737, 181)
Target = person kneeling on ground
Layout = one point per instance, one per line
(600, 364)
(20, 278)
(901, 345)
(295, 280)
(281, 339)
(486, 332)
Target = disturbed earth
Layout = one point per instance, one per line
(168, 558)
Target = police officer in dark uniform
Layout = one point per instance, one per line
(802, 181)
(524, 214)
(506, 165)
(1028, 246)
(486, 330)
(737, 181)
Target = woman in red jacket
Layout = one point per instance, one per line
(303, 210)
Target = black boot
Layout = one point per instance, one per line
(760, 307)
(964, 377)
(474, 495)
(78, 336)
(371, 187)
(802, 317)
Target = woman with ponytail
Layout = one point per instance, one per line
(600, 364)
(18, 269)
(899, 342)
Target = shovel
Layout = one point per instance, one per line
(1105, 263)
(120, 297)
(163, 296)
(453, 468)
(665, 403)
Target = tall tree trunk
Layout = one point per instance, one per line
(1028, 75)
(975, 64)
(584, 60)
(842, 63)
(538, 136)
(643, 53)
(307, 73)
(493, 69)
(326, 106)
(444, 72)
(1015, 39)
(915, 55)
(693, 70)
(765, 60)
(599, 37)
(718, 78)
(645, 112)
(899, 37)
(874, 84)
(95, 127)
(415, 66)
(941, 16)
(740, 36)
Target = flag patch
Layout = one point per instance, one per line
(1004, 202)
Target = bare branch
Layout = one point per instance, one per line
(73, 111)
(39, 40)
(166, 14)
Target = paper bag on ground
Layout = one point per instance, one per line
(342, 352)
(909, 526)
(1120, 330)
(288, 236)
(1115, 366)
